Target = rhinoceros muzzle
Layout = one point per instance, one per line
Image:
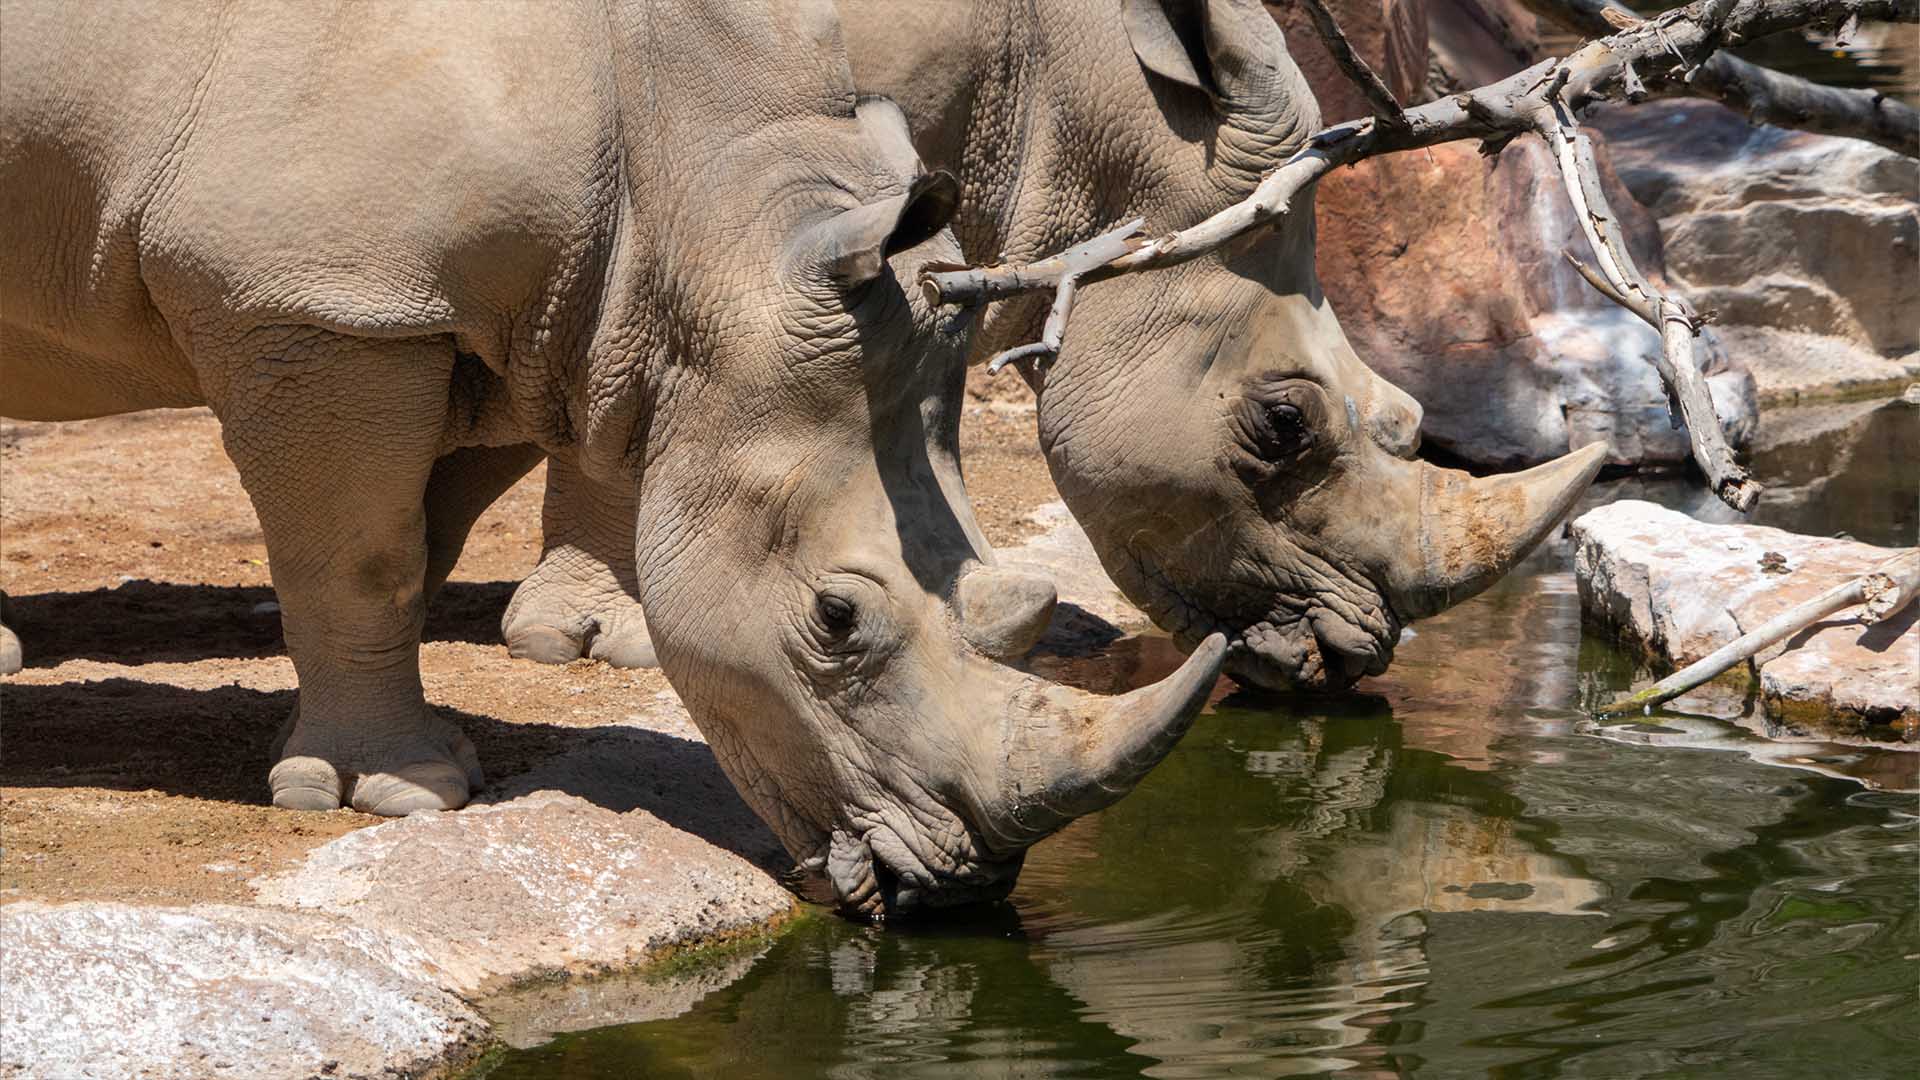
(1320, 621)
(1061, 753)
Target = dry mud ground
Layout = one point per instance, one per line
(134, 747)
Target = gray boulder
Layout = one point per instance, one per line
(1788, 237)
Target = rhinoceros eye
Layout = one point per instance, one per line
(1287, 432)
(836, 614)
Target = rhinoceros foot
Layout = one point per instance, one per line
(573, 606)
(426, 765)
(10, 660)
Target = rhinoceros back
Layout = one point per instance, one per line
(392, 169)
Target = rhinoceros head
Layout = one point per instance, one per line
(812, 575)
(1237, 466)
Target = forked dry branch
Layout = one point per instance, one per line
(1545, 99)
(1761, 94)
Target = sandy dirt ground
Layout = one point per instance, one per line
(135, 745)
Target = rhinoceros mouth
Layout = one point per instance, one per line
(1272, 646)
(875, 874)
(1279, 656)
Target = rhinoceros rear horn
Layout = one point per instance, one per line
(1073, 753)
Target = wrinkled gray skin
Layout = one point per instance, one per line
(1237, 466)
(404, 254)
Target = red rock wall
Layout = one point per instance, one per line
(1438, 261)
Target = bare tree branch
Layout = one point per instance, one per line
(1386, 108)
(1543, 100)
(1768, 97)
(1679, 361)
(1765, 96)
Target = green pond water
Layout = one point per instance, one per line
(1450, 873)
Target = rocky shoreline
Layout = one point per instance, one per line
(1679, 589)
(408, 948)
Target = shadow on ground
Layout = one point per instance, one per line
(133, 735)
(143, 622)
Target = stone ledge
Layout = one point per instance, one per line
(364, 959)
(1680, 589)
(544, 885)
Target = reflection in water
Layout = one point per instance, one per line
(1835, 469)
(1877, 767)
(1447, 875)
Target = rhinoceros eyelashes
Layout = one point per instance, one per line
(1286, 431)
(845, 634)
(847, 619)
(1275, 426)
(1283, 431)
(836, 614)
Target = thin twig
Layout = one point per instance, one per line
(980, 284)
(1386, 108)
(1884, 592)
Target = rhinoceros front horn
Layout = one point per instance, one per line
(1471, 530)
(1069, 753)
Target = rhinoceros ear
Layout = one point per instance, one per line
(1236, 53)
(1168, 37)
(1232, 49)
(852, 248)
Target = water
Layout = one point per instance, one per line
(1451, 874)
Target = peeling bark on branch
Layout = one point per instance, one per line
(1679, 360)
(1649, 56)
(1761, 94)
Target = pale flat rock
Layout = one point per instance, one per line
(541, 885)
(114, 992)
(1682, 588)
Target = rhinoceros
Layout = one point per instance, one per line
(1237, 466)
(404, 250)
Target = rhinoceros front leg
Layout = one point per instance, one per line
(9, 642)
(583, 598)
(335, 438)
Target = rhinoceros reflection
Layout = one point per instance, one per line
(1281, 949)
(1302, 895)
(1296, 962)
